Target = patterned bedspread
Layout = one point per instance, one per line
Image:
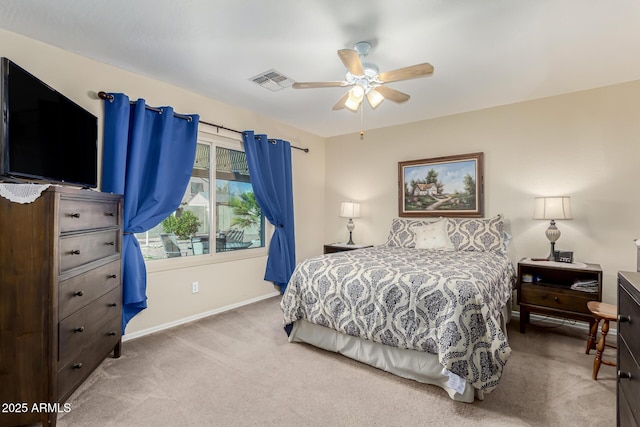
(445, 303)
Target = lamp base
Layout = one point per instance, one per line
(350, 242)
(553, 234)
(552, 254)
(350, 226)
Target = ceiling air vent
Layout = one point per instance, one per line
(272, 80)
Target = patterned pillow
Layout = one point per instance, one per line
(402, 233)
(477, 234)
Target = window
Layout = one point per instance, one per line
(230, 205)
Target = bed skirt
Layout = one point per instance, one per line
(415, 365)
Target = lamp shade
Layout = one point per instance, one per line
(552, 208)
(350, 210)
(374, 97)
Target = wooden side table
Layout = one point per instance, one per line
(342, 247)
(545, 287)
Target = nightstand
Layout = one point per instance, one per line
(545, 287)
(342, 247)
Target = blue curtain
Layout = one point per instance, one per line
(269, 162)
(148, 157)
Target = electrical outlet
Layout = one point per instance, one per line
(195, 287)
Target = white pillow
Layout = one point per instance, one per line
(402, 234)
(433, 236)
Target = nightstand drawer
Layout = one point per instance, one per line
(559, 299)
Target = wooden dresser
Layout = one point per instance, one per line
(60, 298)
(628, 381)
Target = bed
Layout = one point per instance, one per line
(430, 304)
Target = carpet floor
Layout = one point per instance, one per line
(238, 369)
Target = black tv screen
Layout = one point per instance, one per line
(44, 135)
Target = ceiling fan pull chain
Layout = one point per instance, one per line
(362, 121)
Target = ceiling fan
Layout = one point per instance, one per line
(366, 80)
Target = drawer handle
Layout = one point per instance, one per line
(111, 276)
(78, 294)
(113, 304)
(74, 252)
(110, 243)
(624, 375)
(77, 366)
(556, 299)
(624, 319)
(79, 329)
(74, 215)
(109, 214)
(112, 334)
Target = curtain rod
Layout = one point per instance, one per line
(106, 96)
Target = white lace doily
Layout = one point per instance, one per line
(22, 193)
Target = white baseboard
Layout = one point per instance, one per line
(195, 317)
(558, 321)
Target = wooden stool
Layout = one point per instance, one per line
(605, 312)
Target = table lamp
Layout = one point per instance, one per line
(350, 210)
(552, 208)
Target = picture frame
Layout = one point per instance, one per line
(442, 186)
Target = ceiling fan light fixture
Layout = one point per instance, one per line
(355, 98)
(374, 97)
(365, 79)
(358, 92)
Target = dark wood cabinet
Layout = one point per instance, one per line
(546, 287)
(628, 381)
(60, 298)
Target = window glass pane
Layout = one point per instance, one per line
(239, 220)
(239, 223)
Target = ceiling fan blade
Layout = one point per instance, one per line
(340, 104)
(392, 94)
(351, 59)
(312, 85)
(406, 73)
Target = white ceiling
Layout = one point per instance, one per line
(485, 52)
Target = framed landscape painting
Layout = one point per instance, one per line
(442, 186)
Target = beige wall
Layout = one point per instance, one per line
(585, 145)
(221, 284)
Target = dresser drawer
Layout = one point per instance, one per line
(80, 290)
(78, 214)
(71, 374)
(628, 307)
(629, 387)
(625, 413)
(560, 299)
(80, 249)
(97, 320)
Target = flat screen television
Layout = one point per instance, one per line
(44, 136)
